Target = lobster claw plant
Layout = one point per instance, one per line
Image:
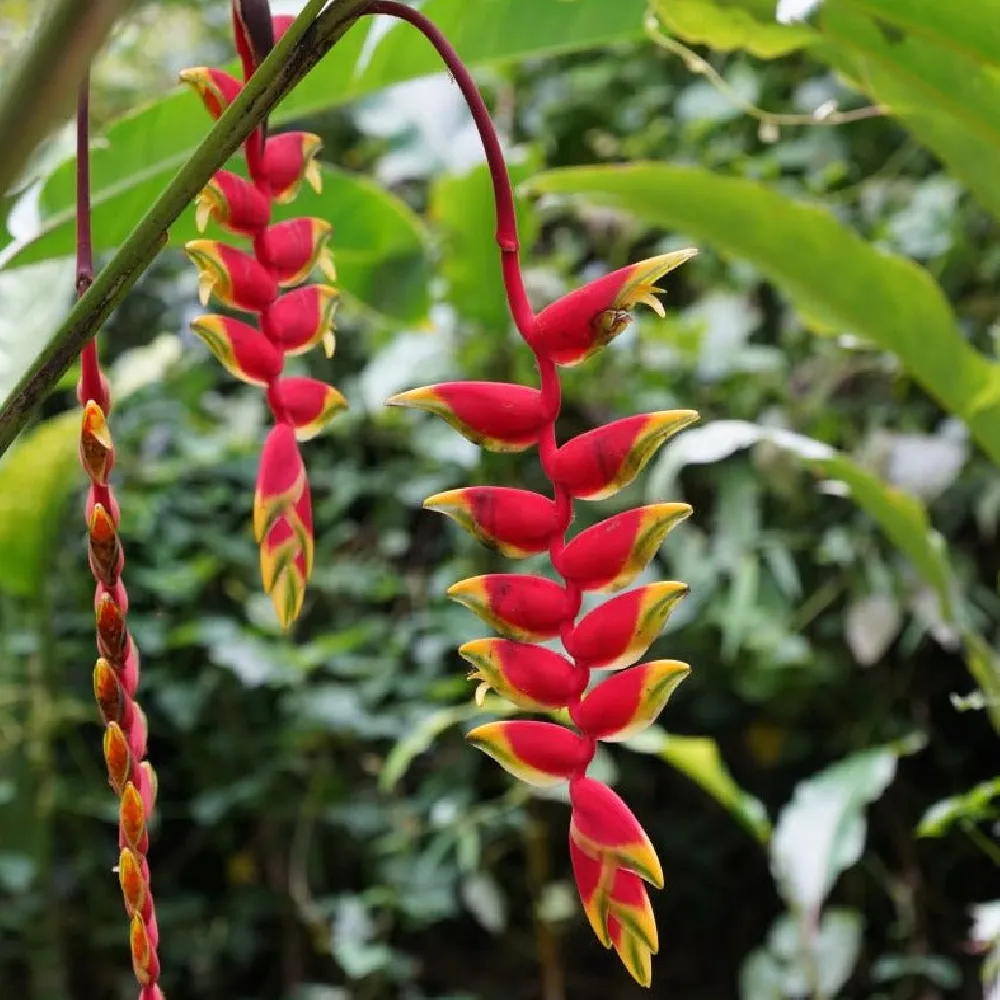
(611, 855)
(280, 256)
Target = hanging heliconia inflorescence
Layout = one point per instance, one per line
(611, 854)
(281, 256)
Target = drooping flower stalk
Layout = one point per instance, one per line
(281, 256)
(611, 854)
(116, 673)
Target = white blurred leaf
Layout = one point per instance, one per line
(821, 832)
(870, 626)
(484, 899)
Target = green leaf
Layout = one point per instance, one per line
(704, 22)
(698, 757)
(948, 100)
(462, 208)
(825, 268)
(975, 806)
(901, 517)
(971, 28)
(142, 150)
(379, 244)
(44, 459)
(821, 832)
(32, 303)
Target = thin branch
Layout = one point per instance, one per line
(304, 44)
(770, 121)
(35, 96)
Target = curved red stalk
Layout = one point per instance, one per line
(116, 673)
(611, 852)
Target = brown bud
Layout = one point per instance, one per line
(132, 817)
(118, 757)
(104, 548)
(97, 451)
(133, 883)
(112, 634)
(108, 692)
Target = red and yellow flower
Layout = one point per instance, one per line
(611, 854)
(267, 280)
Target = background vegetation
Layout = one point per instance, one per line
(823, 800)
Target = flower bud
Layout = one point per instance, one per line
(281, 479)
(117, 757)
(112, 635)
(132, 819)
(531, 677)
(104, 550)
(97, 451)
(134, 888)
(626, 703)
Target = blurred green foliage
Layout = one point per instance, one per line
(324, 832)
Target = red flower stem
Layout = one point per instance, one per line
(90, 375)
(517, 299)
(506, 234)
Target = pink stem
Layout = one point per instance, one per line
(524, 317)
(506, 235)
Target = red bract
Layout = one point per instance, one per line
(494, 415)
(540, 753)
(521, 607)
(514, 522)
(279, 255)
(580, 324)
(613, 552)
(619, 631)
(605, 460)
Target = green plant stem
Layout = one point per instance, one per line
(40, 89)
(303, 45)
